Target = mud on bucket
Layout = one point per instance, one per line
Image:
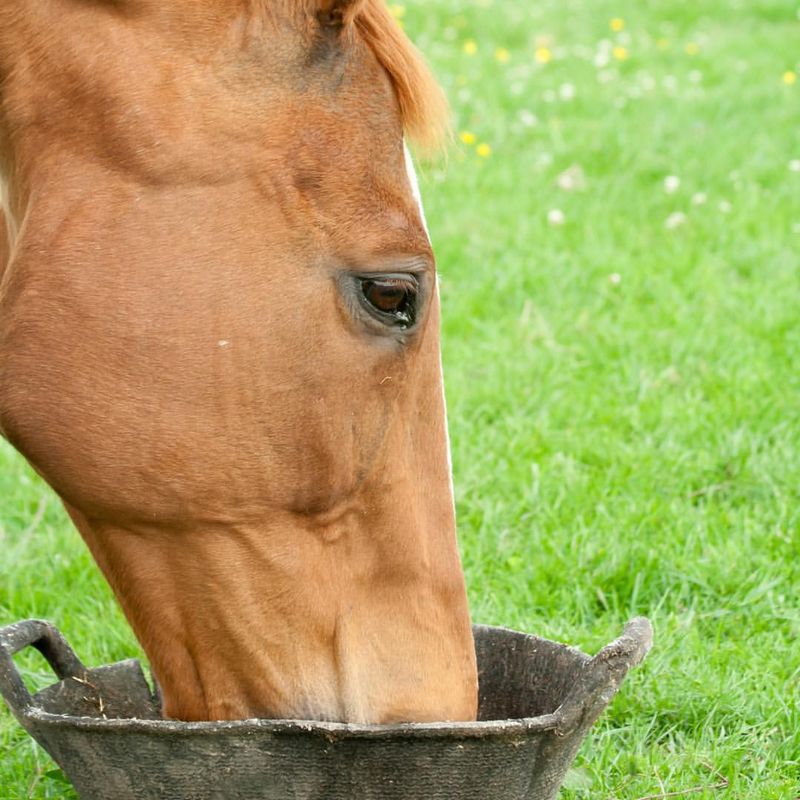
(538, 700)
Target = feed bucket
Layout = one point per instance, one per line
(538, 700)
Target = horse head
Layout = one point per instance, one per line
(219, 344)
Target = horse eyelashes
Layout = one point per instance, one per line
(393, 300)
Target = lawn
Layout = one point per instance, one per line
(618, 235)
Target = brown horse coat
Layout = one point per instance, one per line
(219, 345)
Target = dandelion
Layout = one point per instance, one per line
(794, 165)
(617, 24)
(398, 11)
(675, 220)
(502, 55)
(790, 77)
(671, 184)
(556, 217)
(468, 137)
(663, 44)
(692, 48)
(615, 279)
(699, 199)
(620, 53)
(483, 150)
(470, 47)
(543, 55)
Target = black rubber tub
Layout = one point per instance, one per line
(538, 700)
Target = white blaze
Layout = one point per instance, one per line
(412, 177)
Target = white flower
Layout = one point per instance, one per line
(699, 199)
(528, 118)
(648, 82)
(567, 91)
(602, 59)
(794, 165)
(725, 207)
(675, 220)
(556, 217)
(671, 184)
(572, 179)
(670, 83)
(615, 279)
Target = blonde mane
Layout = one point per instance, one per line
(423, 105)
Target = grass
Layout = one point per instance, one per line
(623, 387)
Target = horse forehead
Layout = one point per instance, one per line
(182, 122)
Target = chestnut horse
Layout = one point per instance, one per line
(219, 344)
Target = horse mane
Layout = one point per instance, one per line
(423, 106)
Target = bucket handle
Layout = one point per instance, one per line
(603, 674)
(50, 643)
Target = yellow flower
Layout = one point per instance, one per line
(483, 150)
(692, 48)
(467, 137)
(617, 24)
(544, 55)
(470, 47)
(663, 44)
(620, 53)
(790, 77)
(398, 11)
(502, 55)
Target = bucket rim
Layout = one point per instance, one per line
(332, 731)
(599, 679)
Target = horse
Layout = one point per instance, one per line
(219, 345)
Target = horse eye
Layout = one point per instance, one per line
(394, 299)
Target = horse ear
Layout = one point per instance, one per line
(337, 13)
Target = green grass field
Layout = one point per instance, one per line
(618, 230)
